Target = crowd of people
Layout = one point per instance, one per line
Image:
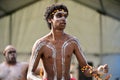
(54, 50)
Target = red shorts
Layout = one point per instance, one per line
(70, 79)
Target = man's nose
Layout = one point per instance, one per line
(63, 19)
(13, 54)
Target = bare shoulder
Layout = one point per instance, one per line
(23, 64)
(73, 38)
(4, 68)
(2, 65)
(40, 42)
(42, 39)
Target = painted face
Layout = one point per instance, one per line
(60, 15)
(10, 55)
(59, 20)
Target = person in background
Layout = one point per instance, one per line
(10, 68)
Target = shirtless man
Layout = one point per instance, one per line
(10, 69)
(56, 49)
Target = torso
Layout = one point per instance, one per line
(12, 72)
(57, 55)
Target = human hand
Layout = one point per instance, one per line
(102, 69)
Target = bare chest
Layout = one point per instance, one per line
(58, 49)
(11, 73)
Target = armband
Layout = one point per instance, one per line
(90, 68)
(87, 67)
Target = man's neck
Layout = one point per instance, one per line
(57, 34)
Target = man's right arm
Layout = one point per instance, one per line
(34, 61)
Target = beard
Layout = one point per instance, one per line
(11, 60)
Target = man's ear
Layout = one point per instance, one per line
(49, 20)
(4, 52)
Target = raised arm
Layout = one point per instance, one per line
(34, 60)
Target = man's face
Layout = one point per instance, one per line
(10, 55)
(59, 20)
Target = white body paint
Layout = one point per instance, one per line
(52, 47)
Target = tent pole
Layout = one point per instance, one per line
(101, 38)
(10, 29)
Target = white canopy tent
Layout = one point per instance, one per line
(99, 34)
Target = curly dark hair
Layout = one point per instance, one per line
(52, 8)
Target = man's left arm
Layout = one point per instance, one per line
(85, 68)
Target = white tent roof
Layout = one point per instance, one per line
(107, 7)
